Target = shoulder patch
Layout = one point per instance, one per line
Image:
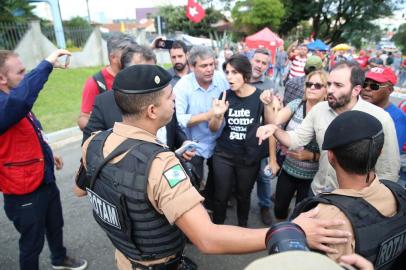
(175, 175)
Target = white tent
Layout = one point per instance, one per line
(198, 41)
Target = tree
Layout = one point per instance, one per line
(15, 11)
(336, 20)
(400, 38)
(253, 15)
(175, 20)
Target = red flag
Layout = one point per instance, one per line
(194, 11)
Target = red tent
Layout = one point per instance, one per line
(264, 38)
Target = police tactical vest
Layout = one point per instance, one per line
(120, 201)
(380, 239)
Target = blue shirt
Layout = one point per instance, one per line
(399, 118)
(18, 103)
(191, 99)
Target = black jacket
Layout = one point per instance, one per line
(106, 112)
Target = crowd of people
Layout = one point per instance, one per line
(323, 125)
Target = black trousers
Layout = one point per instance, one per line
(228, 170)
(207, 193)
(35, 215)
(286, 187)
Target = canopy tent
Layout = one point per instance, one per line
(318, 45)
(264, 38)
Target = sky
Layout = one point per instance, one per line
(102, 10)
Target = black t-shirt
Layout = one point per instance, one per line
(242, 112)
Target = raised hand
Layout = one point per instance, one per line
(266, 97)
(53, 58)
(220, 106)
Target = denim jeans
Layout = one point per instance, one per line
(36, 215)
(264, 186)
(278, 73)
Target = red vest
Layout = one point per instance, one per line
(22, 163)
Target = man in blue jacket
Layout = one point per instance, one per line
(31, 197)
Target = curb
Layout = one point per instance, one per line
(63, 137)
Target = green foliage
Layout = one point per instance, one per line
(58, 105)
(176, 20)
(400, 38)
(77, 22)
(336, 21)
(15, 11)
(253, 15)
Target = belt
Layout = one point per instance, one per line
(170, 265)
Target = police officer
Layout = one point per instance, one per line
(141, 195)
(375, 210)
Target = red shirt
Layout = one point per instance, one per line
(90, 90)
(363, 61)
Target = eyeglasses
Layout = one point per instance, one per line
(374, 86)
(317, 86)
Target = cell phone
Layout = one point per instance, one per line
(189, 146)
(67, 61)
(164, 43)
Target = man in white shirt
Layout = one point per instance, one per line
(344, 86)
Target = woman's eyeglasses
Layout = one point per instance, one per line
(373, 86)
(317, 86)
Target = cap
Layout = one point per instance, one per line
(293, 260)
(314, 61)
(350, 127)
(382, 75)
(141, 79)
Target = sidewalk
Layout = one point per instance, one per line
(60, 138)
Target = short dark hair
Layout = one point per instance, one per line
(354, 157)
(262, 51)
(119, 41)
(145, 52)
(179, 44)
(242, 64)
(4, 55)
(132, 105)
(357, 74)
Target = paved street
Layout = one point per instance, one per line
(84, 238)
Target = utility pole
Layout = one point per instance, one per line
(88, 11)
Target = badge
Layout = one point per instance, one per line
(157, 79)
(175, 175)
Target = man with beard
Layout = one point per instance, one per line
(260, 63)
(345, 83)
(180, 66)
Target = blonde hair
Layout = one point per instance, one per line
(323, 77)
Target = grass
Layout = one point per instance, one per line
(58, 105)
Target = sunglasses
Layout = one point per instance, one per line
(317, 86)
(374, 86)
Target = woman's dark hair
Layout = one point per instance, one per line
(240, 63)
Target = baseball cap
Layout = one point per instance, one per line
(314, 61)
(350, 127)
(382, 75)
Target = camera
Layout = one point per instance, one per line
(285, 236)
(163, 44)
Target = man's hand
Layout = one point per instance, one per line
(318, 233)
(357, 261)
(53, 58)
(188, 155)
(220, 106)
(300, 154)
(264, 132)
(58, 162)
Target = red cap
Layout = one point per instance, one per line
(382, 75)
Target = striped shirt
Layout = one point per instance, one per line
(297, 67)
